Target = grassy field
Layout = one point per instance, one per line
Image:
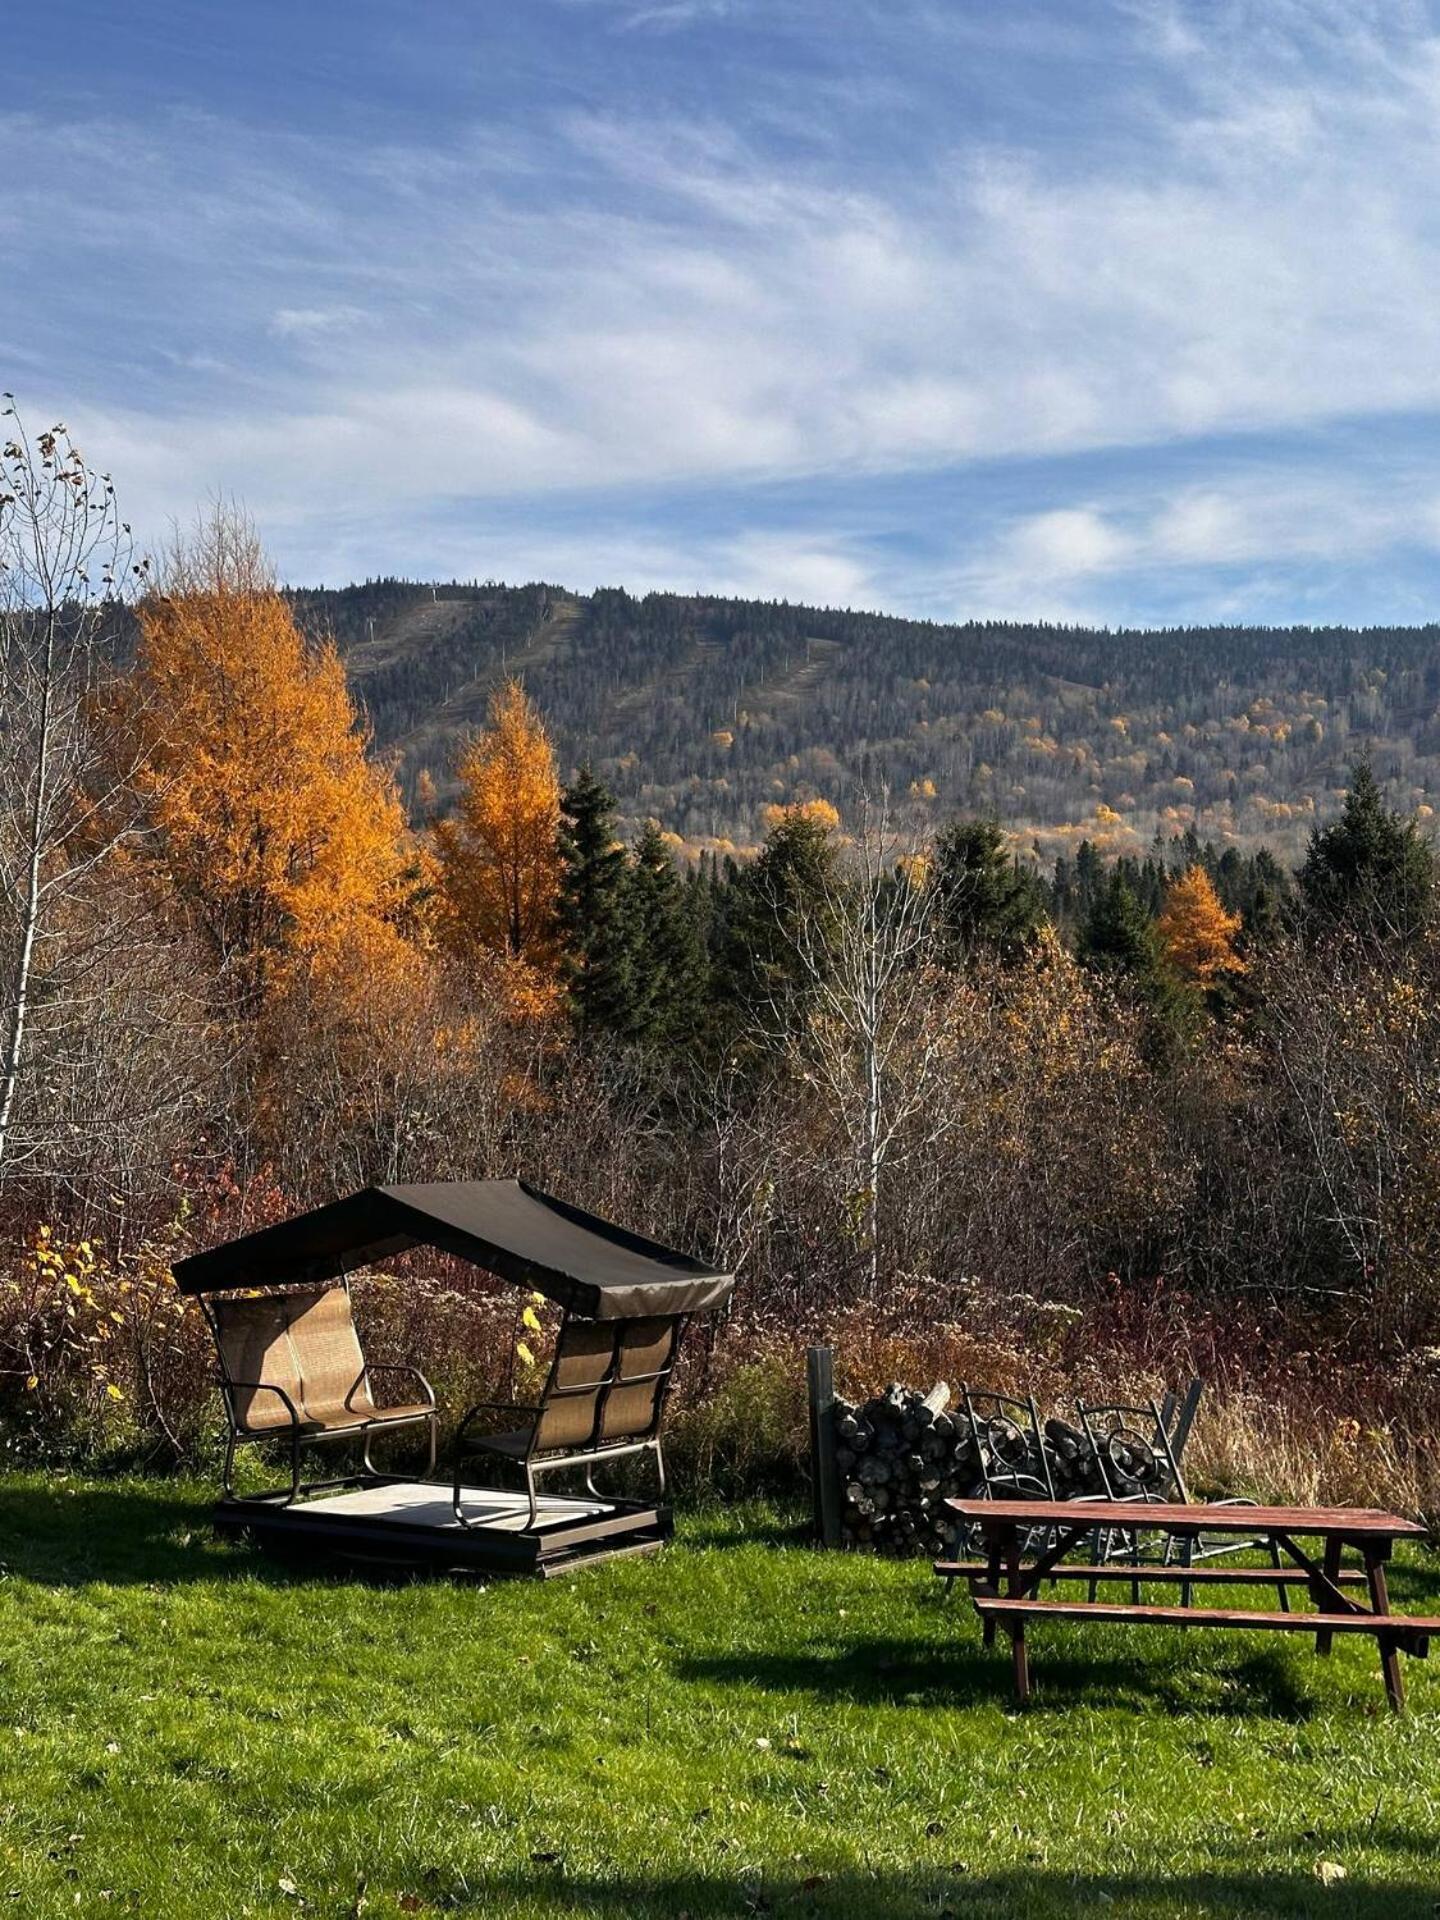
(740, 1726)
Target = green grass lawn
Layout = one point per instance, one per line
(738, 1726)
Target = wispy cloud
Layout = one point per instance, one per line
(615, 293)
(304, 323)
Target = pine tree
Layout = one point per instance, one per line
(499, 852)
(762, 903)
(1120, 941)
(983, 897)
(1118, 936)
(1197, 935)
(594, 909)
(1368, 871)
(667, 957)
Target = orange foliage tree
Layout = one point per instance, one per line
(499, 879)
(279, 834)
(1197, 934)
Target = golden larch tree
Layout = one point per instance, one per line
(1197, 934)
(279, 834)
(499, 854)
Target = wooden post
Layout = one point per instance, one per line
(824, 1473)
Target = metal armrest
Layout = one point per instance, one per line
(491, 1406)
(401, 1366)
(261, 1386)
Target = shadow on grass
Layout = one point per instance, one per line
(921, 1673)
(64, 1536)
(962, 1889)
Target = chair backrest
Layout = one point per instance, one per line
(607, 1383)
(302, 1341)
(1009, 1445)
(1133, 1452)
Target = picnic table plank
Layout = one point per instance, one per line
(1390, 1626)
(1175, 1574)
(1178, 1517)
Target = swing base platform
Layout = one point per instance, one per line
(385, 1523)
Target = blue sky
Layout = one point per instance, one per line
(1115, 310)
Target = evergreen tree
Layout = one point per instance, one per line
(791, 878)
(668, 961)
(1089, 877)
(1368, 871)
(983, 897)
(1121, 941)
(1118, 936)
(594, 909)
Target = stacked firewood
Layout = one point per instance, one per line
(902, 1454)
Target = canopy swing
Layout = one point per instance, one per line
(291, 1366)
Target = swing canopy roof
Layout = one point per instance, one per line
(509, 1228)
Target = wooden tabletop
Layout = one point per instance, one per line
(1354, 1522)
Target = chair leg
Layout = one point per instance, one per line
(534, 1495)
(1187, 1559)
(294, 1469)
(227, 1472)
(455, 1484)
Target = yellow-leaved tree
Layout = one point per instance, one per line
(281, 838)
(499, 874)
(1197, 934)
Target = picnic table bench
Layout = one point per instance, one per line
(1005, 1587)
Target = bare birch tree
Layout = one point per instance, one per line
(864, 1041)
(65, 566)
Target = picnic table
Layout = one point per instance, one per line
(1005, 1586)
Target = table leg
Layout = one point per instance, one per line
(1389, 1652)
(1331, 1566)
(1021, 1660)
(995, 1556)
(1019, 1657)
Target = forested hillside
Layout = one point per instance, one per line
(701, 713)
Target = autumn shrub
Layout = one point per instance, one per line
(98, 1358)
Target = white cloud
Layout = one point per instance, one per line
(306, 322)
(611, 302)
(1262, 531)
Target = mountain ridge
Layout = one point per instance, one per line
(702, 712)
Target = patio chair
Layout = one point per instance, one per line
(1010, 1451)
(604, 1399)
(1135, 1453)
(291, 1369)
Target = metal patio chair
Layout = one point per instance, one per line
(1138, 1462)
(604, 1399)
(1011, 1454)
(291, 1368)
